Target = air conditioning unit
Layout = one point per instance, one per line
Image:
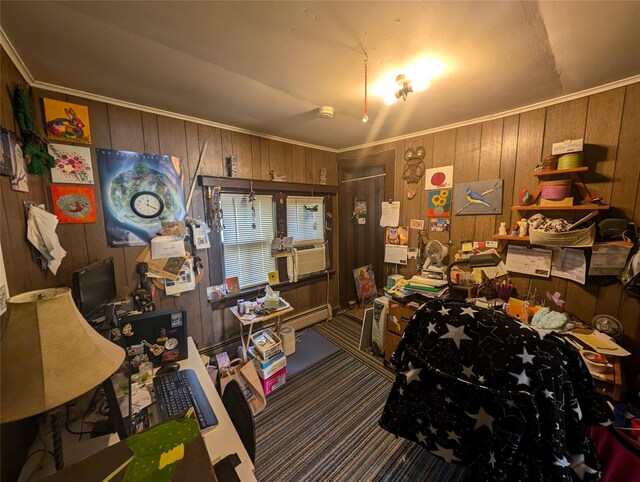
(306, 260)
(379, 325)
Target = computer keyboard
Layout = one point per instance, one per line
(177, 391)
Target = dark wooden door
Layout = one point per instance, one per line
(361, 244)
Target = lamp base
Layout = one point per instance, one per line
(54, 424)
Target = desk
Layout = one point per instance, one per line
(221, 440)
(258, 319)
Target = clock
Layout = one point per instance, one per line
(147, 204)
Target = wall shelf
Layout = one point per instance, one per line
(577, 207)
(505, 239)
(561, 171)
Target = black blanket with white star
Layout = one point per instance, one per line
(479, 388)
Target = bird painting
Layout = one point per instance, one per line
(474, 197)
(483, 197)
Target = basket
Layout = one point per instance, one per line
(575, 238)
(556, 190)
(570, 161)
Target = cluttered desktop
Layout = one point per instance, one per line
(156, 341)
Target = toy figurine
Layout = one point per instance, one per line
(502, 230)
(522, 232)
(525, 199)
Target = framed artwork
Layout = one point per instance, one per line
(73, 164)
(365, 283)
(73, 204)
(139, 192)
(7, 140)
(439, 203)
(479, 197)
(438, 178)
(399, 235)
(67, 122)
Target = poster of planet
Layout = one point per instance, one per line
(139, 192)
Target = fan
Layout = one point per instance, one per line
(435, 252)
(608, 325)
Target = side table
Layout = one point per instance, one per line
(258, 319)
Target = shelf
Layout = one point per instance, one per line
(577, 207)
(560, 171)
(505, 239)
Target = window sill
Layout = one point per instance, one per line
(252, 293)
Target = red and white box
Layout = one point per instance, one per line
(275, 381)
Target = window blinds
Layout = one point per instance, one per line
(305, 218)
(247, 250)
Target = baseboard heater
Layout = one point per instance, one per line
(299, 321)
(309, 317)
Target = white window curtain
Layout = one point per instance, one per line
(247, 249)
(305, 218)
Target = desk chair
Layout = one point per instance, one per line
(241, 416)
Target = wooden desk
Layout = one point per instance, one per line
(258, 319)
(221, 440)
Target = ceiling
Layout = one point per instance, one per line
(266, 67)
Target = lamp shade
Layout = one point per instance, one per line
(50, 354)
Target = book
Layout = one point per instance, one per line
(233, 285)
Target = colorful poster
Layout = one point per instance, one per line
(73, 204)
(399, 235)
(438, 178)
(73, 164)
(139, 192)
(67, 122)
(440, 225)
(365, 283)
(439, 203)
(480, 197)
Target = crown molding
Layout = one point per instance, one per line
(15, 58)
(557, 100)
(13, 55)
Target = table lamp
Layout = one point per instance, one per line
(474, 261)
(50, 355)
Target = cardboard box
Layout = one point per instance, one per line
(568, 201)
(275, 381)
(267, 368)
(267, 343)
(570, 145)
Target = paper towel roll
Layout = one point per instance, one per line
(288, 336)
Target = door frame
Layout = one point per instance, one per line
(387, 160)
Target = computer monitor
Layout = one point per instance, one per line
(94, 286)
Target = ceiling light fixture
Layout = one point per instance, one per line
(405, 85)
(416, 78)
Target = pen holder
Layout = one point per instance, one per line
(504, 292)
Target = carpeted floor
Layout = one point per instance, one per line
(323, 424)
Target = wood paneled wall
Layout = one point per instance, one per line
(509, 148)
(128, 129)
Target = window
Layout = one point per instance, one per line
(305, 218)
(247, 249)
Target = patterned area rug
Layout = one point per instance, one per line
(323, 425)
